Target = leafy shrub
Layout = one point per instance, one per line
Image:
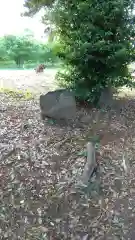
(95, 38)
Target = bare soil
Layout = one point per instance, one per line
(40, 162)
(28, 80)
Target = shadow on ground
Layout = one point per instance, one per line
(41, 161)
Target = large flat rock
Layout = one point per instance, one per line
(59, 104)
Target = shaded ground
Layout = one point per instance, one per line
(41, 161)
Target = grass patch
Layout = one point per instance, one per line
(17, 94)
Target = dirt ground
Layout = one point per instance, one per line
(28, 79)
(40, 162)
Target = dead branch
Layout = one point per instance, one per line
(90, 165)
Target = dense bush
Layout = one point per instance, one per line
(95, 38)
(95, 44)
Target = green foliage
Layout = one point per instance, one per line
(7, 64)
(96, 42)
(19, 48)
(46, 53)
(25, 51)
(3, 53)
(34, 6)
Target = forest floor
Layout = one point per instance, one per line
(40, 162)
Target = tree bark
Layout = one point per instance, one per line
(90, 165)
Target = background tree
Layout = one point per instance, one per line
(19, 48)
(25, 50)
(3, 53)
(95, 38)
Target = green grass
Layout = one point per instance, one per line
(17, 94)
(28, 65)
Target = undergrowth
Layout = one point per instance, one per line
(16, 93)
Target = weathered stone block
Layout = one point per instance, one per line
(59, 104)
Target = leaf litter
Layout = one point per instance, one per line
(40, 161)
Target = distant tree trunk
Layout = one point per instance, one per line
(19, 62)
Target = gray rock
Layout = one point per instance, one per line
(59, 104)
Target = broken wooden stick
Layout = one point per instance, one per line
(90, 165)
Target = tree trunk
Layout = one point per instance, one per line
(90, 165)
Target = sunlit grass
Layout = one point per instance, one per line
(17, 94)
